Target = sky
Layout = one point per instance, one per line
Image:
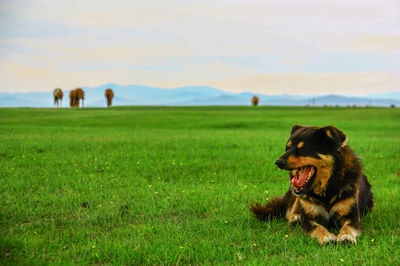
(305, 47)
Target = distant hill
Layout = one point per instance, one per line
(190, 95)
(389, 95)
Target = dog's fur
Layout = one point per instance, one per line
(336, 191)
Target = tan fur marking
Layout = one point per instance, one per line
(324, 169)
(293, 214)
(344, 143)
(324, 172)
(322, 234)
(313, 209)
(300, 145)
(342, 207)
(328, 133)
(293, 172)
(289, 144)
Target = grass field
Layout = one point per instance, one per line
(158, 185)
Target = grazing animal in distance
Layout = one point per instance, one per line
(109, 95)
(255, 100)
(327, 188)
(72, 98)
(75, 96)
(58, 95)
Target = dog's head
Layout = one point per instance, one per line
(309, 157)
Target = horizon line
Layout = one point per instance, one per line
(199, 86)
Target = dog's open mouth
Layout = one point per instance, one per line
(301, 178)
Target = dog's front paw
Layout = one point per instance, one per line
(328, 239)
(346, 239)
(294, 219)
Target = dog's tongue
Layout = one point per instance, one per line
(299, 181)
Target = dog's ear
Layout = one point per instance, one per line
(333, 134)
(295, 128)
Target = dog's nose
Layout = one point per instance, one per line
(280, 163)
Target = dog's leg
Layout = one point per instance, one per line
(313, 219)
(349, 232)
(293, 213)
(347, 213)
(321, 233)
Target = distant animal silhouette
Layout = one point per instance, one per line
(254, 101)
(109, 95)
(58, 95)
(75, 96)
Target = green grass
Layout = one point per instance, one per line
(158, 185)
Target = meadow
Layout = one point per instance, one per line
(172, 185)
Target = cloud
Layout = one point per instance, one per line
(16, 77)
(44, 44)
(381, 44)
(346, 83)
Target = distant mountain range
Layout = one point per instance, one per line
(190, 95)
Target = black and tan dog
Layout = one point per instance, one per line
(327, 185)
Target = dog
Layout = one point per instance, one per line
(327, 186)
